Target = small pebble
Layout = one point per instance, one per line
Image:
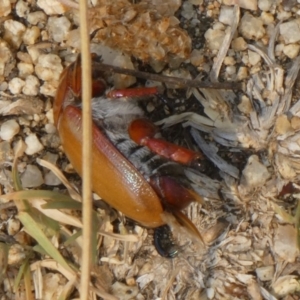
(22, 8)
(245, 105)
(229, 61)
(32, 86)
(51, 179)
(254, 58)
(242, 73)
(265, 5)
(188, 11)
(226, 15)
(246, 4)
(9, 129)
(251, 27)
(214, 38)
(239, 44)
(31, 35)
(13, 226)
(267, 18)
(255, 174)
(59, 28)
(295, 122)
(5, 8)
(50, 128)
(25, 69)
(197, 57)
(282, 125)
(52, 8)
(33, 144)
(13, 33)
(15, 85)
(37, 17)
(48, 67)
(32, 177)
(291, 50)
(49, 88)
(290, 31)
(230, 70)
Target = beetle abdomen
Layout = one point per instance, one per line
(114, 117)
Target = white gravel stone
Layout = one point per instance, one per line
(15, 85)
(3, 86)
(265, 5)
(285, 243)
(49, 67)
(267, 18)
(49, 88)
(251, 27)
(214, 38)
(32, 86)
(59, 28)
(32, 177)
(14, 31)
(230, 70)
(254, 58)
(49, 116)
(52, 7)
(13, 226)
(31, 35)
(50, 128)
(265, 273)
(291, 50)
(245, 105)
(9, 129)
(229, 61)
(226, 15)
(242, 73)
(255, 174)
(5, 58)
(33, 144)
(290, 31)
(188, 11)
(197, 57)
(25, 69)
(51, 179)
(37, 17)
(283, 15)
(34, 53)
(239, 44)
(246, 4)
(5, 8)
(22, 8)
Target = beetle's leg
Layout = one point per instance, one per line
(174, 194)
(70, 88)
(142, 132)
(176, 197)
(133, 92)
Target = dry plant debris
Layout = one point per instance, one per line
(251, 218)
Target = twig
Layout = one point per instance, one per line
(182, 82)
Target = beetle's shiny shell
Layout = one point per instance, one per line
(114, 179)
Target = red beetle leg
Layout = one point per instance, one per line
(142, 132)
(133, 92)
(175, 195)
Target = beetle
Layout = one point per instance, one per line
(135, 171)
